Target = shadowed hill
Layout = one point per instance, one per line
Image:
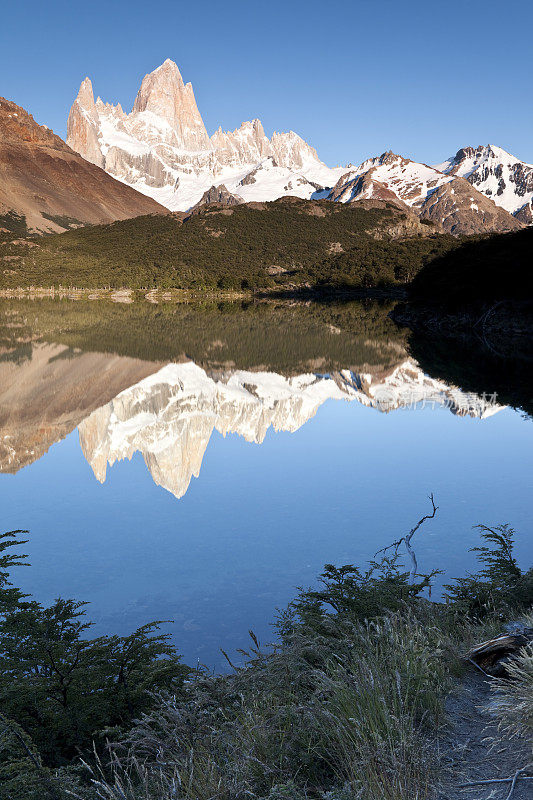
(478, 272)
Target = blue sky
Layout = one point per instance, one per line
(353, 78)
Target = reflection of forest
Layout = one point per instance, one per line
(61, 361)
(279, 337)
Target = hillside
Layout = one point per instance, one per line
(479, 271)
(49, 187)
(286, 244)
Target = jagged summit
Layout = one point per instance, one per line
(85, 95)
(163, 149)
(218, 195)
(167, 64)
(164, 94)
(498, 175)
(483, 152)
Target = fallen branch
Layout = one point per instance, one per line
(407, 541)
(518, 776)
(471, 661)
(491, 656)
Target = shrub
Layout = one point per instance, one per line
(501, 585)
(63, 688)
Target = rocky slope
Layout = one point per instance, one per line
(218, 195)
(162, 147)
(460, 209)
(447, 200)
(170, 416)
(496, 174)
(50, 185)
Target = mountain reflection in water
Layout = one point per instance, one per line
(331, 482)
(169, 417)
(254, 367)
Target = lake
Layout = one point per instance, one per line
(195, 464)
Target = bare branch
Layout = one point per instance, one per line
(512, 779)
(407, 540)
(471, 660)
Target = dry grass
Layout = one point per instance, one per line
(356, 708)
(514, 694)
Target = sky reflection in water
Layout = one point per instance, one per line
(262, 519)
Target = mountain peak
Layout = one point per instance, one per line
(497, 174)
(482, 152)
(167, 68)
(85, 94)
(164, 94)
(388, 157)
(257, 126)
(162, 145)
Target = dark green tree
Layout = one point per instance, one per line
(64, 689)
(500, 585)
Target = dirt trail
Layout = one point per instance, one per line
(474, 750)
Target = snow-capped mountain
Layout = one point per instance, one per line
(169, 417)
(407, 180)
(162, 147)
(498, 175)
(446, 199)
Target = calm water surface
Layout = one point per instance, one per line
(169, 480)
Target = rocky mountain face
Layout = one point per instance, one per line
(460, 209)
(45, 181)
(170, 416)
(350, 188)
(445, 199)
(218, 195)
(498, 175)
(250, 145)
(162, 147)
